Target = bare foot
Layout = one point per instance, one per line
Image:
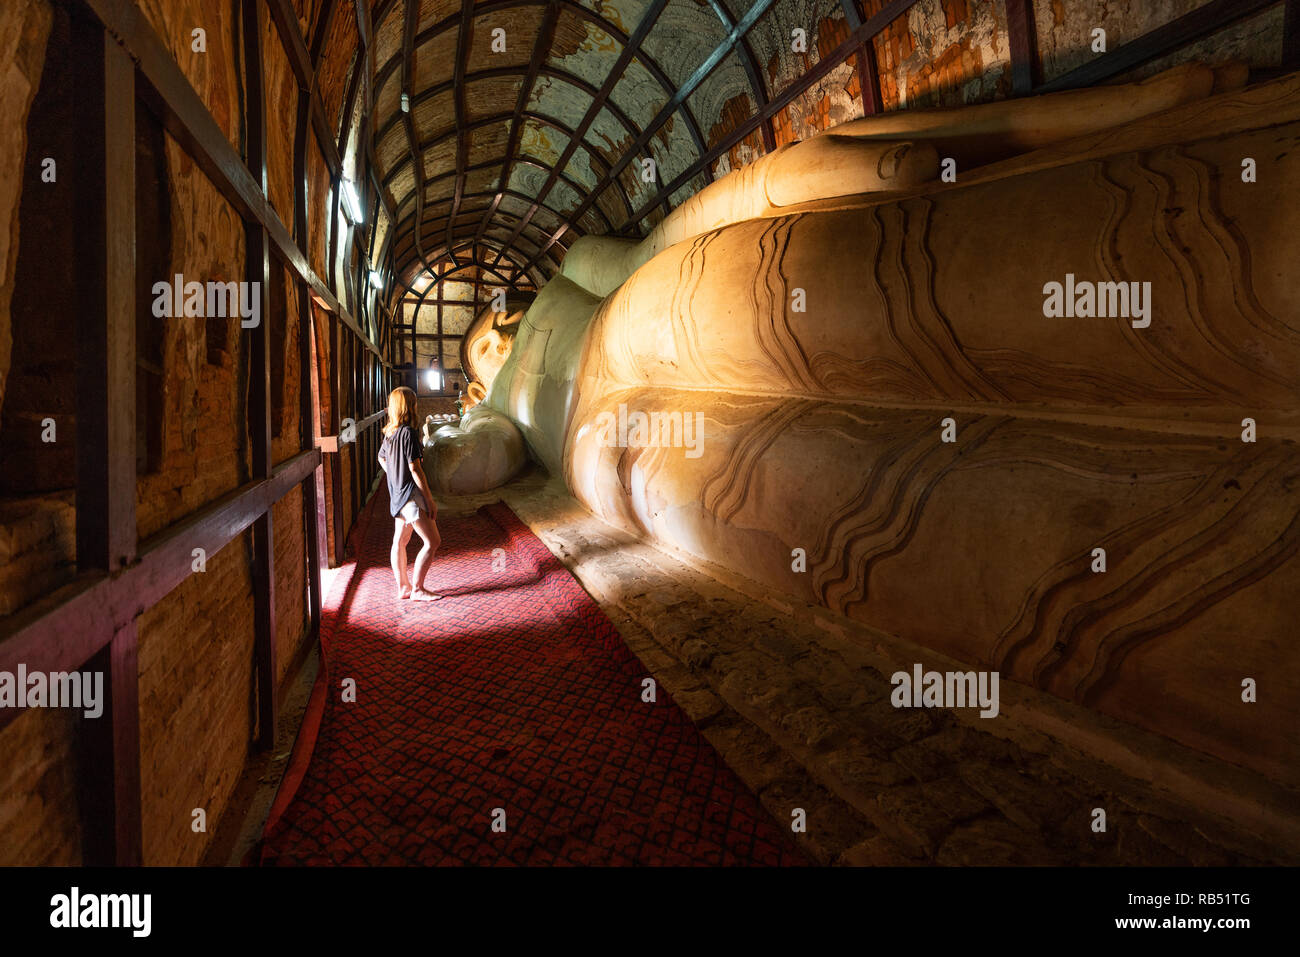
(404, 592)
(421, 595)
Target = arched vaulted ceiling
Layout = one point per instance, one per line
(528, 119)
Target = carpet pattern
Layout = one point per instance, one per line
(512, 700)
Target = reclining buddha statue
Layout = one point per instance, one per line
(864, 344)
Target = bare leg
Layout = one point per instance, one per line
(397, 557)
(428, 532)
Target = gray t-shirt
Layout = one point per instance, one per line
(399, 450)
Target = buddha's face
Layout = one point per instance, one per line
(489, 354)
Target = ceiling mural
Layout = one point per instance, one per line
(683, 38)
(532, 121)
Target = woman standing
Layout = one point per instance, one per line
(410, 501)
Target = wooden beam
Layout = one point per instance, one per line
(328, 142)
(545, 69)
(868, 69)
(440, 335)
(308, 424)
(349, 369)
(302, 62)
(719, 53)
(109, 787)
(325, 136)
(485, 267)
(349, 107)
(286, 25)
(465, 232)
(406, 217)
(257, 257)
(365, 67)
(168, 92)
(535, 235)
(62, 630)
(484, 194)
(332, 238)
(319, 377)
(630, 51)
(887, 14)
(359, 436)
(463, 38)
(448, 302)
(1024, 47)
(472, 214)
(363, 32)
(364, 411)
(869, 77)
(314, 505)
(583, 12)
(106, 353)
(415, 341)
(324, 21)
(410, 297)
(464, 264)
(108, 779)
(541, 50)
(336, 412)
(412, 141)
(300, 135)
(596, 161)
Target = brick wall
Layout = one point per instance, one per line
(40, 301)
(38, 816)
(196, 654)
(196, 645)
(290, 581)
(37, 544)
(24, 26)
(38, 811)
(205, 424)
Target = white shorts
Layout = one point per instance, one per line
(411, 512)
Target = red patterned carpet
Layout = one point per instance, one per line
(513, 692)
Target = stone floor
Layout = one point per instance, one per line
(799, 706)
(797, 703)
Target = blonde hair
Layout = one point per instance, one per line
(401, 409)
